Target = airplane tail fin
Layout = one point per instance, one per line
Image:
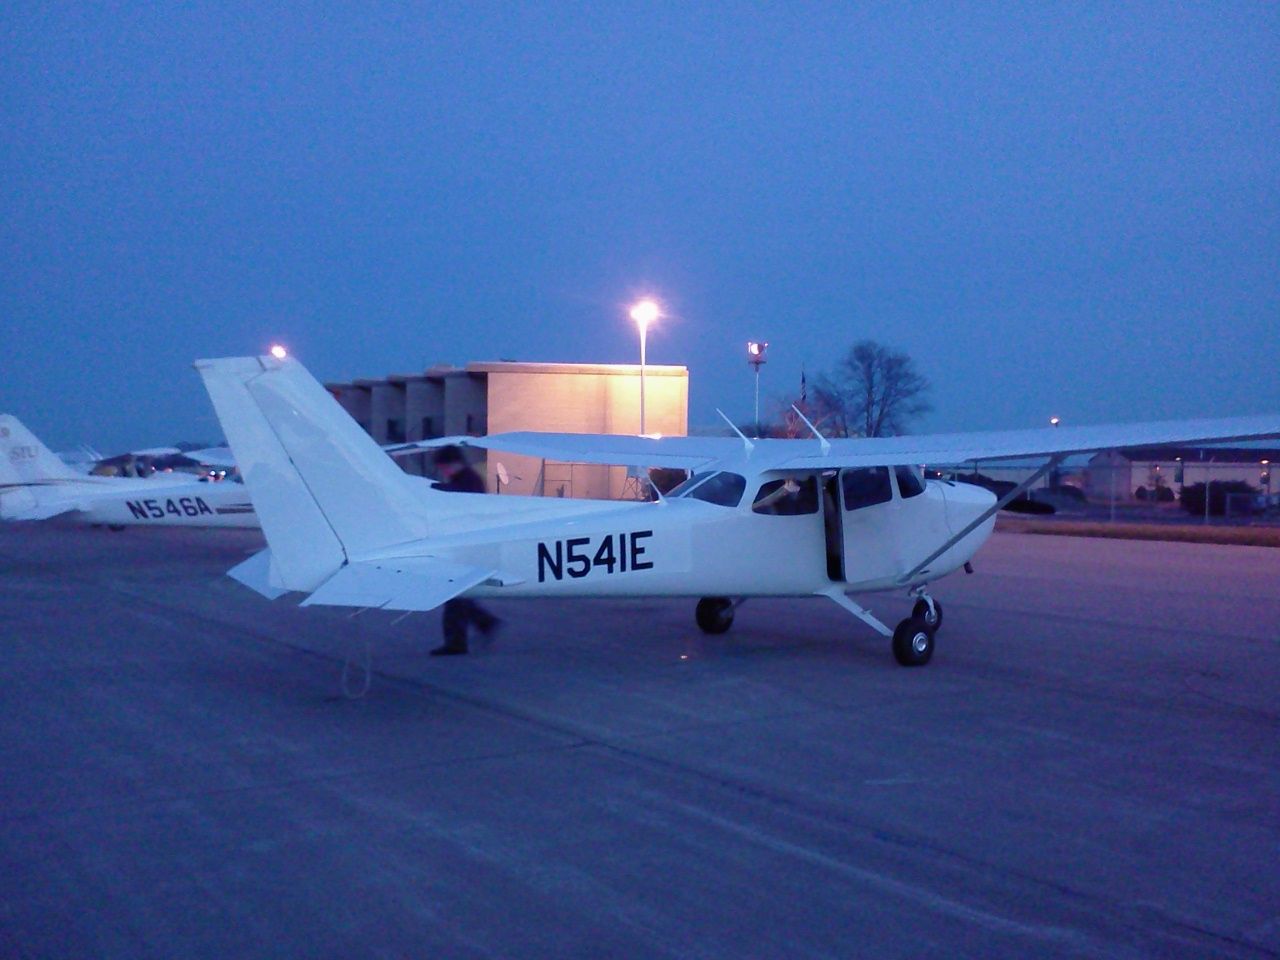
(325, 493)
(33, 481)
(31, 460)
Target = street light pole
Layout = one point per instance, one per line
(644, 335)
(756, 350)
(644, 313)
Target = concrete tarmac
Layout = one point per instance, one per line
(1090, 767)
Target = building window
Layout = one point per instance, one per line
(395, 431)
(429, 428)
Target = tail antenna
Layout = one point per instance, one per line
(826, 444)
(745, 442)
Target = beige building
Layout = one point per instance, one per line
(500, 397)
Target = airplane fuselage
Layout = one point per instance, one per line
(688, 547)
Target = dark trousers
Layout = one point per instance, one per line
(459, 615)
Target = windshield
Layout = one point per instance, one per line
(909, 482)
(722, 489)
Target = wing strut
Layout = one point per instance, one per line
(983, 518)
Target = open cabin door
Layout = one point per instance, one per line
(869, 514)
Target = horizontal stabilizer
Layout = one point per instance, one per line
(409, 583)
(45, 511)
(258, 574)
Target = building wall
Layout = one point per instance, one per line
(501, 397)
(355, 399)
(386, 411)
(1113, 468)
(424, 417)
(578, 398)
(465, 404)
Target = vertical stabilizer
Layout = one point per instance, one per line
(324, 492)
(31, 460)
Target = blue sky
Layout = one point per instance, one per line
(1066, 209)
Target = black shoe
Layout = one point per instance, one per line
(448, 651)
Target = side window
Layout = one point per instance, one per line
(787, 498)
(865, 486)
(909, 482)
(684, 488)
(724, 489)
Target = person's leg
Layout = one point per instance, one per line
(482, 618)
(455, 619)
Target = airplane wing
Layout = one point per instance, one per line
(411, 447)
(221, 456)
(683, 453)
(693, 453)
(959, 448)
(213, 456)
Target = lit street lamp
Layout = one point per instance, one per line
(756, 350)
(1055, 478)
(644, 313)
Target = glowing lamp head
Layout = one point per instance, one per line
(278, 351)
(756, 351)
(1054, 421)
(645, 312)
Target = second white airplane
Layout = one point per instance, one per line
(36, 485)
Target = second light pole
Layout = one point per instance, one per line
(756, 350)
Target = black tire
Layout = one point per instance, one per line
(714, 614)
(913, 642)
(921, 610)
(115, 527)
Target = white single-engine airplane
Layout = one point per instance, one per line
(757, 518)
(36, 485)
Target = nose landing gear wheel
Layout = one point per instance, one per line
(934, 619)
(714, 614)
(913, 642)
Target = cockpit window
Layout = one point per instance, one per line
(683, 489)
(866, 486)
(909, 482)
(787, 498)
(723, 489)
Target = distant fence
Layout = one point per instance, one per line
(1146, 493)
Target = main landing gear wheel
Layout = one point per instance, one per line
(932, 618)
(714, 614)
(913, 642)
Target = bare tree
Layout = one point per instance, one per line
(874, 391)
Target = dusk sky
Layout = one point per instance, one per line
(1055, 209)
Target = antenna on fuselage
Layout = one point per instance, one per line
(826, 444)
(745, 442)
